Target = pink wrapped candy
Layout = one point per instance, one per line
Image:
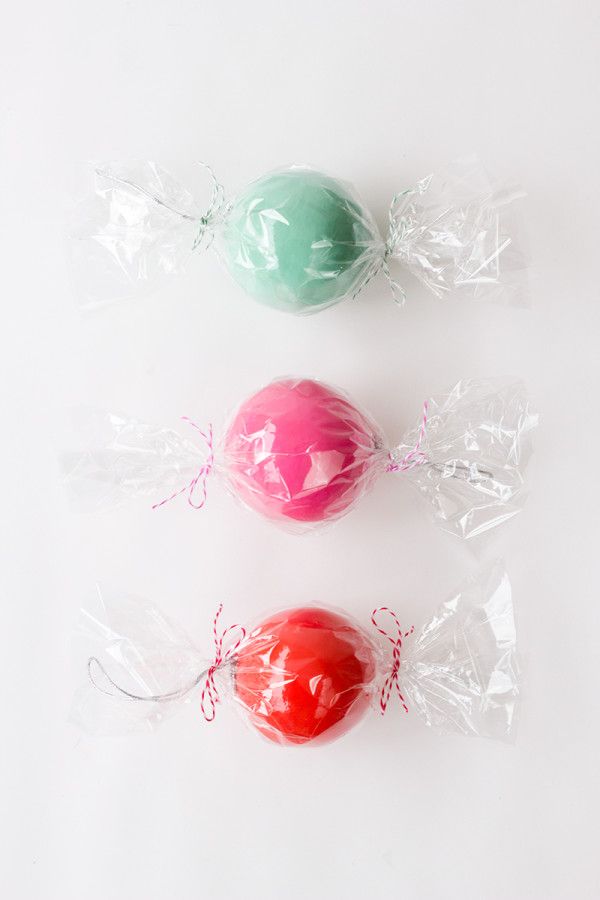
(301, 454)
(299, 450)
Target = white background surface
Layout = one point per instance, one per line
(378, 93)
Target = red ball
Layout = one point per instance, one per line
(298, 450)
(305, 675)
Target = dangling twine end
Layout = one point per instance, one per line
(393, 679)
(118, 691)
(94, 663)
(132, 185)
(202, 475)
(398, 292)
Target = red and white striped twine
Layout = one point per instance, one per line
(392, 679)
(210, 694)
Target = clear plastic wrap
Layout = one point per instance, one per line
(126, 458)
(297, 239)
(301, 454)
(152, 656)
(461, 232)
(473, 454)
(461, 674)
(307, 675)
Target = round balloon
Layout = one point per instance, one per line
(305, 675)
(298, 240)
(299, 452)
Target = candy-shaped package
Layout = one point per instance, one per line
(301, 454)
(307, 675)
(298, 240)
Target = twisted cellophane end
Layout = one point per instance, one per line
(136, 667)
(119, 458)
(136, 228)
(469, 453)
(461, 673)
(460, 232)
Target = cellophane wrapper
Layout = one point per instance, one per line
(460, 231)
(460, 673)
(122, 458)
(134, 230)
(141, 649)
(478, 441)
(457, 231)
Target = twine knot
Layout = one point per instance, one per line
(210, 694)
(414, 457)
(216, 206)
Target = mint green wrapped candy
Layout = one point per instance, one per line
(299, 241)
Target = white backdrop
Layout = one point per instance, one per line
(378, 93)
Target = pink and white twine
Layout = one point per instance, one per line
(201, 477)
(414, 457)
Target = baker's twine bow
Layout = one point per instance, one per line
(414, 457)
(200, 478)
(398, 227)
(210, 695)
(393, 679)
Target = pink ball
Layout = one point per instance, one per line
(299, 450)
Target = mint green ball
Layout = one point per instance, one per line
(298, 240)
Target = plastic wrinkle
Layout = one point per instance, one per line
(461, 673)
(478, 441)
(460, 232)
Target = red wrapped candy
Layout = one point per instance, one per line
(329, 664)
(307, 675)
